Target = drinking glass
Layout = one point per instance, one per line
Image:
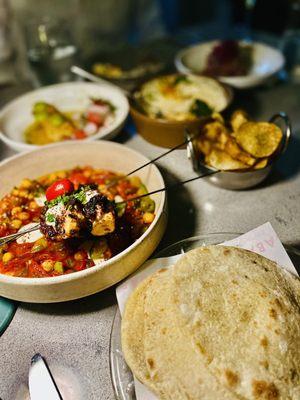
(50, 50)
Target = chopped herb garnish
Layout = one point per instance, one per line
(159, 114)
(180, 79)
(200, 109)
(80, 196)
(50, 218)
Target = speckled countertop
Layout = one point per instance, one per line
(74, 336)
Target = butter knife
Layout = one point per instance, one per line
(41, 382)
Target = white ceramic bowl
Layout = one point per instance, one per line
(102, 154)
(267, 61)
(17, 115)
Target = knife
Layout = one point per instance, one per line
(41, 382)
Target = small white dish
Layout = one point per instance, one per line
(266, 61)
(17, 115)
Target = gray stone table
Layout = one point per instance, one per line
(74, 336)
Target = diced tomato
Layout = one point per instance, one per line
(80, 266)
(95, 117)
(77, 178)
(59, 188)
(35, 270)
(80, 134)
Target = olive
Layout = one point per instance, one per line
(39, 107)
(56, 119)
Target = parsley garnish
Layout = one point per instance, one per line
(80, 196)
(60, 199)
(200, 109)
(50, 218)
(181, 78)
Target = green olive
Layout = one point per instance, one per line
(39, 107)
(56, 119)
(42, 116)
(142, 190)
(147, 205)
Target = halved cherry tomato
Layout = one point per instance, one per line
(79, 134)
(59, 188)
(95, 117)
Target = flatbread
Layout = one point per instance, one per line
(132, 335)
(242, 313)
(174, 366)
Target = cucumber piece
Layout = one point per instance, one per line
(98, 250)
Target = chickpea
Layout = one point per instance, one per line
(16, 223)
(61, 174)
(148, 217)
(16, 210)
(15, 192)
(48, 265)
(78, 256)
(23, 216)
(87, 173)
(33, 205)
(7, 257)
(23, 193)
(26, 184)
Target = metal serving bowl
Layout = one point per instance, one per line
(239, 179)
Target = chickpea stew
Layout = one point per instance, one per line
(36, 256)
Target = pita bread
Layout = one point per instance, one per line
(243, 314)
(132, 335)
(174, 366)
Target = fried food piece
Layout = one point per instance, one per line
(100, 213)
(260, 139)
(205, 146)
(261, 163)
(222, 161)
(63, 221)
(238, 118)
(214, 130)
(84, 212)
(233, 149)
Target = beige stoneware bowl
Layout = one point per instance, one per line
(100, 154)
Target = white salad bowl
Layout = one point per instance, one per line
(266, 61)
(16, 116)
(102, 154)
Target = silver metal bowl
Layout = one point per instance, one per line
(241, 179)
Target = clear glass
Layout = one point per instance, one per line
(50, 50)
(121, 375)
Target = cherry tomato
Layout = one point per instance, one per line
(59, 188)
(79, 134)
(95, 117)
